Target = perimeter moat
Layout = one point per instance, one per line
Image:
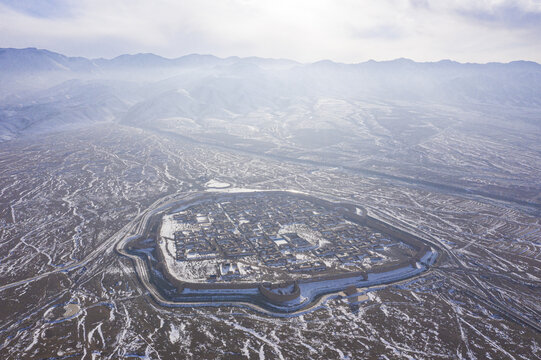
(274, 250)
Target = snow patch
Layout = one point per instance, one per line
(215, 184)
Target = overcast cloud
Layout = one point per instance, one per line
(304, 30)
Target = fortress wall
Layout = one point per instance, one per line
(219, 286)
(420, 253)
(417, 243)
(280, 298)
(179, 285)
(160, 266)
(340, 276)
(395, 265)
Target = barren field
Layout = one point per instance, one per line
(68, 198)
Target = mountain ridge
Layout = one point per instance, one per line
(151, 59)
(144, 88)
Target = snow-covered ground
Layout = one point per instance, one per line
(193, 270)
(215, 184)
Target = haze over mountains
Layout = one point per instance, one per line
(202, 86)
(390, 116)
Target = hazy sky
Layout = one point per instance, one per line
(311, 30)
